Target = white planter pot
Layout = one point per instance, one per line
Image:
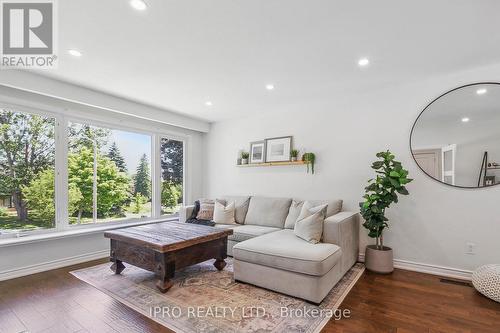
(379, 261)
(244, 161)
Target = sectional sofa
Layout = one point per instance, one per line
(268, 254)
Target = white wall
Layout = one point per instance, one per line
(22, 259)
(430, 226)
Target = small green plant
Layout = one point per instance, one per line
(309, 158)
(381, 193)
(139, 201)
(3, 212)
(245, 155)
(294, 153)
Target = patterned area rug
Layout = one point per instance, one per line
(206, 300)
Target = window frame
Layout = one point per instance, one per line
(61, 130)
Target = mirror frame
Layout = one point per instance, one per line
(415, 123)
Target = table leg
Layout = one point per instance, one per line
(165, 271)
(219, 260)
(117, 266)
(220, 264)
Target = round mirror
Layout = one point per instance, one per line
(456, 138)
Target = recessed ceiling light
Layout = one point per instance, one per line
(481, 91)
(75, 53)
(208, 103)
(465, 120)
(138, 4)
(270, 86)
(363, 62)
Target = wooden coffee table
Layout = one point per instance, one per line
(165, 247)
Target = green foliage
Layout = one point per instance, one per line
(3, 212)
(83, 135)
(245, 155)
(39, 197)
(115, 156)
(294, 153)
(142, 181)
(112, 185)
(172, 160)
(309, 158)
(170, 194)
(27, 147)
(381, 193)
(138, 202)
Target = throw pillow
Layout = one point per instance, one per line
(310, 228)
(206, 210)
(196, 210)
(308, 209)
(241, 206)
(224, 214)
(293, 214)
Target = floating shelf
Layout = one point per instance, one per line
(267, 164)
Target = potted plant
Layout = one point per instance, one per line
(381, 192)
(309, 158)
(244, 157)
(294, 154)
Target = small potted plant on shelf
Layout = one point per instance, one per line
(380, 193)
(309, 159)
(244, 157)
(294, 154)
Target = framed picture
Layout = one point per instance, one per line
(258, 151)
(278, 149)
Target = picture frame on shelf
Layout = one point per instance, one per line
(278, 149)
(258, 151)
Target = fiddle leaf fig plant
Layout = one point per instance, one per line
(381, 192)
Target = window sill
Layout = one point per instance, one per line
(51, 235)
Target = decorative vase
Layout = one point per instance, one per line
(379, 260)
(244, 161)
(294, 159)
(238, 161)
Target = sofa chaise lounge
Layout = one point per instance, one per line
(268, 254)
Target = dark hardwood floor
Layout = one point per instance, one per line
(403, 302)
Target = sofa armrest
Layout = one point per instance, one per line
(185, 212)
(342, 229)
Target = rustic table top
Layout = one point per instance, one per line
(168, 236)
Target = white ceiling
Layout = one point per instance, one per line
(179, 54)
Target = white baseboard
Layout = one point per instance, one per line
(46, 266)
(429, 269)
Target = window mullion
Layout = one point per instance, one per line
(61, 170)
(155, 176)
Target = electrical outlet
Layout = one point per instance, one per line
(470, 248)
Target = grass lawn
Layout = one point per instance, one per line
(11, 222)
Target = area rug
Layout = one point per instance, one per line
(206, 300)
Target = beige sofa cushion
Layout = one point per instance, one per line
(241, 206)
(310, 228)
(293, 213)
(334, 206)
(245, 232)
(283, 250)
(268, 212)
(224, 214)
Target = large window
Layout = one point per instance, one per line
(27, 164)
(109, 174)
(59, 173)
(172, 175)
